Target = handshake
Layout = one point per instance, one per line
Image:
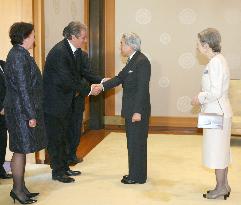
(97, 88)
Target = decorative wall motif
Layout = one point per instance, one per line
(164, 82)
(143, 16)
(58, 13)
(184, 104)
(165, 38)
(168, 30)
(187, 60)
(187, 16)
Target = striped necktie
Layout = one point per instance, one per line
(1, 69)
(75, 53)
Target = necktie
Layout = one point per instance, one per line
(75, 53)
(1, 69)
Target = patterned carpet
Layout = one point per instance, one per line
(175, 176)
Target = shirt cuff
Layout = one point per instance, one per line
(90, 91)
(102, 80)
(103, 89)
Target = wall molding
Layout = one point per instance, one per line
(110, 54)
(180, 125)
(157, 121)
(39, 27)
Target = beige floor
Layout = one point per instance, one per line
(176, 176)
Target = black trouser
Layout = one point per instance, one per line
(3, 143)
(74, 128)
(137, 134)
(56, 129)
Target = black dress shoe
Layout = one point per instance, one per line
(130, 181)
(72, 173)
(74, 161)
(63, 178)
(125, 177)
(6, 176)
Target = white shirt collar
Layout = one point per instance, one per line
(72, 47)
(130, 57)
(1, 68)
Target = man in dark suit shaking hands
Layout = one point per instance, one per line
(64, 81)
(134, 77)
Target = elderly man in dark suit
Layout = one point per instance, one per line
(134, 77)
(64, 87)
(3, 129)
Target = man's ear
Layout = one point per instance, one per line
(73, 37)
(206, 46)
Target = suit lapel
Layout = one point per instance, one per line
(78, 59)
(132, 62)
(2, 69)
(66, 43)
(74, 67)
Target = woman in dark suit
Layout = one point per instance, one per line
(23, 107)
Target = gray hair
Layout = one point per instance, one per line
(132, 40)
(73, 28)
(212, 37)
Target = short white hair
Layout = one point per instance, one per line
(133, 40)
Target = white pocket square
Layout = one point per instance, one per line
(130, 71)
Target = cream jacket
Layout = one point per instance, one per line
(215, 86)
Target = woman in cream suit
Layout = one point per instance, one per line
(214, 99)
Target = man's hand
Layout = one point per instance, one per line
(32, 123)
(195, 101)
(2, 112)
(136, 117)
(96, 89)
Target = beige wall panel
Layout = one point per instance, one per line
(12, 11)
(169, 31)
(58, 13)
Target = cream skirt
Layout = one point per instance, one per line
(216, 146)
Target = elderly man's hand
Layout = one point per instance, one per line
(136, 117)
(32, 123)
(96, 89)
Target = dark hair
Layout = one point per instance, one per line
(20, 31)
(212, 37)
(73, 28)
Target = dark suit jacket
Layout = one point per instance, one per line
(2, 85)
(84, 68)
(63, 78)
(134, 77)
(85, 74)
